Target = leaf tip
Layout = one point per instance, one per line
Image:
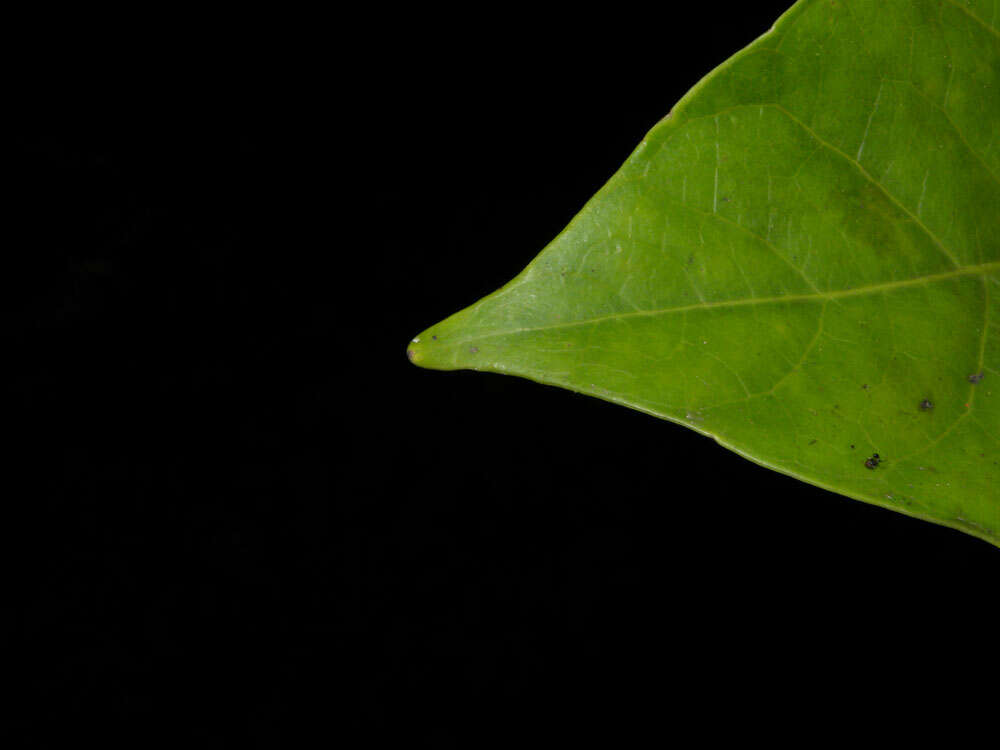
(426, 351)
(414, 351)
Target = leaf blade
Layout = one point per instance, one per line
(772, 265)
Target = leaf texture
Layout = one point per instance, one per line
(802, 261)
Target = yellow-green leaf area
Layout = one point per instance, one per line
(801, 261)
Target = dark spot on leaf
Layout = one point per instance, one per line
(974, 379)
(874, 461)
(434, 337)
(865, 386)
(812, 442)
(852, 447)
(926, 405)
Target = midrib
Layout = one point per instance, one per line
(983, 269)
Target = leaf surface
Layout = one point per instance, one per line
(801, 261)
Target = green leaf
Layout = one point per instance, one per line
(801, 261)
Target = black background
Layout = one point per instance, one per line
(234, 506)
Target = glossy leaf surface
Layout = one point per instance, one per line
(801, 261)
